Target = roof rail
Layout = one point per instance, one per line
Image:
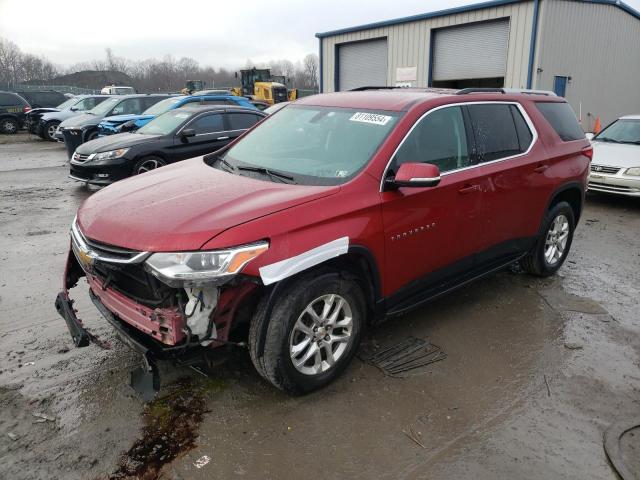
(362, 89)
(506, 91)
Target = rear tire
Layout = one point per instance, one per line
(553, 244)
(9, 125)
(48, 131)
(328, 339)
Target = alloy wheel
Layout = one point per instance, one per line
(556, 241)
(321, 334)
(51, 130)
(150, 164)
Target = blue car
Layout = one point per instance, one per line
(130, 123)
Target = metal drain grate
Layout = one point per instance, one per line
(402, 357)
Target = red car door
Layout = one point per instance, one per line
(433, 232)
(516, 189)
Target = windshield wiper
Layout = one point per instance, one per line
(284, 178)
(231, 168)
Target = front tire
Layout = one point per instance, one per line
(312, 333)
(554, 242)
(49, 130)
(147, 164)
(92, 135)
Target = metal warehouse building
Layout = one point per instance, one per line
(585, 50)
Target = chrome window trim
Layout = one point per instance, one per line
(198, 117)
(523, 112)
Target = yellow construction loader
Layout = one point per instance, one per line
(259, 84)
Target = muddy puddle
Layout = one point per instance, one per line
(171, 426)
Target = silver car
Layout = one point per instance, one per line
(615, 167)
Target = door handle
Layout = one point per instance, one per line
(469, 189)
(540, 168)
(222, 138)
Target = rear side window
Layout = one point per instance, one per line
(242, 121)
(495, 131)
(563, 120)
(151, 101)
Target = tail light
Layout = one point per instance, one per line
(588, 152)
(26, 109)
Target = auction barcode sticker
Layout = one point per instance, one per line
(374, 118)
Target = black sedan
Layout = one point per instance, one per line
(173, 136)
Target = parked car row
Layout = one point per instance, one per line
(178, 134)
(44, 121)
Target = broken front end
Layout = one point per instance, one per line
(162, 305)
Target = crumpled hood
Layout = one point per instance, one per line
(182, 206)
(616, 154)
(119, 119)
(114, 142)
(42, 110)
(81, 120)
(61, 116)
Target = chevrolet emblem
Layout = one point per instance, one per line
(84, 258)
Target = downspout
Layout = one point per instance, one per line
(320, 65)
(532, 46)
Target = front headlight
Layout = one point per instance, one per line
(183, 269)
(110, 155)
(635, 171)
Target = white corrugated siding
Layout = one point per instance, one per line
(598, 46)
(362, 64)
(478, 50)
(409, 43)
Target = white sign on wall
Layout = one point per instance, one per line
(406, 74)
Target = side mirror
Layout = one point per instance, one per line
(415, 175)
(74, 109)
(188, 132)
(589, 136)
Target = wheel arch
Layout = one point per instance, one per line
(573, 194)
(358, 261)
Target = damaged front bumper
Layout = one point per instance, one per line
(154, 333)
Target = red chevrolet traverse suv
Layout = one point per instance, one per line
(338, 211)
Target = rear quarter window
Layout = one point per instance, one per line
(8, 100)
(562, 118)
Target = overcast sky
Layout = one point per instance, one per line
(213, 32)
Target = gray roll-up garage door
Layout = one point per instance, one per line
(362, 64)
(471, 51)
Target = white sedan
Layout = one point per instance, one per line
(615, 167)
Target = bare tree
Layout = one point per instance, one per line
(311, 68)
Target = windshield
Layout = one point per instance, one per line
(105, 106)
(621, 131)
(314, 145)
(68, 103)
(166, 123)
(163, 106)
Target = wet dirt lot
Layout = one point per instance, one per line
(536, 371)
